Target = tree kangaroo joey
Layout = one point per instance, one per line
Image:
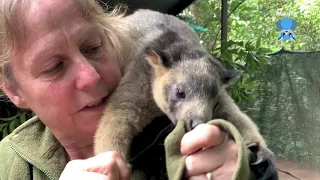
(171, 75)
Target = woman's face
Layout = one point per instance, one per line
(66, 68)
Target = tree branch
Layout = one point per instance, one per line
(235, 8)
(219, 31)
(215, 39)
(224, 21)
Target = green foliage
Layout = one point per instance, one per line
(248, 57)
(257, 18)
(7, 125)
(252, 34)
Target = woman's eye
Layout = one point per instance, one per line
(55, 69)
(93, 50)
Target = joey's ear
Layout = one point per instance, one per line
(156, 61)
(231, 76)
(153, 58)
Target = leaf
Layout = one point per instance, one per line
(250, 48)
(12, 126)
(3, 125)
(5, 131)
(22, 117)
(258, 43)
(241, 43)
(223, 57)
(242, 54)
(264, 50)
(236, 96)
(230, 42)
(253, 57)
(224, 45)
(233, 51)
(248, 43)
(229, 56)
(10, 118)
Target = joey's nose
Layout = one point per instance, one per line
(194, 123)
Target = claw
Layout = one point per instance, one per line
(259, 155)
(254, 147)
(258, 161)
(261, 162)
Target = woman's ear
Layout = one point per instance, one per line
(14, 95)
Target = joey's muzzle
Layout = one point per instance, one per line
(192, 123)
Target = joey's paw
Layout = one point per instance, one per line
(259, 154)
(262, 162)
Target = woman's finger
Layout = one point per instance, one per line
(113, 172)
(124, 170)
(210, 159)
(107, 166)
(224, 172)
(204, 161)
(81, 174)
(111, 164)
(199, 177)
(102, 163)
(203, 136)
(89, 175)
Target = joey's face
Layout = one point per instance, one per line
(188, 89)
(188, 94)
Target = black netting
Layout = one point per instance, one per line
(286, 106)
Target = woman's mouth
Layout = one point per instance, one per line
(96, 104)
(93, 104)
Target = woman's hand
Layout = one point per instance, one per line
(209, 150)
(105, 166)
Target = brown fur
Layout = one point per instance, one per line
(127, 113)
(140, 96)
(229, 111)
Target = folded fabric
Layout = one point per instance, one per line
(175, 160)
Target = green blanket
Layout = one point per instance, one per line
(175, 161)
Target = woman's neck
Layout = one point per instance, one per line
(79, 153)
(77, 149)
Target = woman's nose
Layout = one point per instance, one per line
(87, 76)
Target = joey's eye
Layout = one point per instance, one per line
(283, 34)
(180, 94)
(290, 34)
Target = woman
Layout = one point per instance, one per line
(61, 58)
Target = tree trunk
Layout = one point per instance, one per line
(224, 22)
